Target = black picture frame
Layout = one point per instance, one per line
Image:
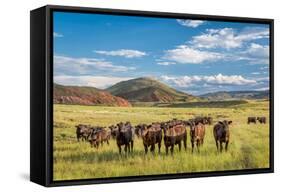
(41, 105)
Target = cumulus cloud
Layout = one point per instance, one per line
(255, 54)
(187, 55)
(65, 65)
(190, 23)
(257, 50)
(57, 34)
(228, 37)
(92, 81)
(219, 79)
(123, 53)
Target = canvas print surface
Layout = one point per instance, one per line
(135, 96)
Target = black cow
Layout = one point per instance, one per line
(125, 136)
(83, 132)
(252, 120)
(222, 134)
(262, 120)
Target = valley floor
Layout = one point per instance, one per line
(248, 148)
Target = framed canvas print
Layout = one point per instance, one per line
(119, 96)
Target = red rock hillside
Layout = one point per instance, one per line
(86, 96)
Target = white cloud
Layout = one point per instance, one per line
(190, 23)
(255, 73)
(84, 65)
(165, 63)
(262, 89)
(185, 54)
(228, 37)
(264, 68)
(263, 79)
(257, 50)
(123, 53)
(57, 34)
(187, 81)
(254, 54)
(92, 81)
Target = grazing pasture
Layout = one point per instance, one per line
(248, 144)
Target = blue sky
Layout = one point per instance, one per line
(195, 56)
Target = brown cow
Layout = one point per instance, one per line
(252, 120)
(113, 131)
(151, 135)
(201, 119)
(197, 134)
(138, 129)
(209, 120)
(174, 135)
(262, 120)
(98, 137)
(222, 134)
(83, 132)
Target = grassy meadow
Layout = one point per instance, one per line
(248, 148)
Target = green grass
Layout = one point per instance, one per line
(248, 148)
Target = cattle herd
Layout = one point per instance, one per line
(261, 120)
(173, 132)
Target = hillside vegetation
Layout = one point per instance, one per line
(148, 90)
(235, 95)
(86, 96)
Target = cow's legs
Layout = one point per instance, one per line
(217, 145)
(192, 145)
(132, 146)
(221, 146)
(126, 148)
(198, 144)
(179, 146)
(145, 148)
(167, 149)
(152, 148)
(129, 148)
(172, 149)
(78, 138)
(159, 147)
(119, 147)
(184, 143)
(226, 145)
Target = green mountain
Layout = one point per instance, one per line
(85, 96)
(148, 90)
(236, 95)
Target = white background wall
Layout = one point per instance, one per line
(14, 95)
